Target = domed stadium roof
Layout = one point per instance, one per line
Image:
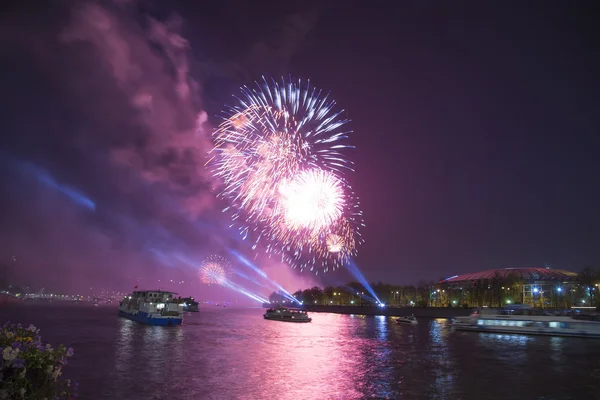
(526, 274)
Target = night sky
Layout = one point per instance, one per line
(475, 125)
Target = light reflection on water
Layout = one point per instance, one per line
(225, 353)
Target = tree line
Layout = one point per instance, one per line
(497, 291)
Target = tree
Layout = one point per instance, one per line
(587, 278)
(329, 290)
(276, 297)
(316, 294)
(299, 295)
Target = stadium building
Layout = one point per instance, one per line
(538, 287)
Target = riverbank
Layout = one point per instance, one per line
(8, 299)
(428, 312)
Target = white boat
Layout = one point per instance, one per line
(153, 307)
(287, 315)
(501, 322)
(407, 320)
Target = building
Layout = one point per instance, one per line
(539, 287)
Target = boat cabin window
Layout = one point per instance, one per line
(561, 325)
(500, 322)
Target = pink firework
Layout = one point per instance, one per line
(215, 270)
(279, 157)
(312, 201)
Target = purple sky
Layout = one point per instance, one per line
(475, 127)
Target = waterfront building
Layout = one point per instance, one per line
(538, 287)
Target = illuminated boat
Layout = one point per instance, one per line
(153, 307)
(190, 305)
(407, 320)
(287, 315)
(502, 322)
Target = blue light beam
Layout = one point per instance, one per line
(353, 269)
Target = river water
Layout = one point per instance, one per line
(229, 353)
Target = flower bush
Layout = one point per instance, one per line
(31, 370)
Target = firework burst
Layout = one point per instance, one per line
(279, 155)
(215, 270)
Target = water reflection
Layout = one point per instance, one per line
(510, 349)
(235, 354)
(557, 346)
(309, 353)
(123, 352)
(440, 357)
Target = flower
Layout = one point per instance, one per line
(57, 372)
(30, 369)
(18, 363)
(9, 354)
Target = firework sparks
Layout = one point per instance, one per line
(313, 200)
(215, 270)
(279, 156)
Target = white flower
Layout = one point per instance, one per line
(57, 372)
(49, 369)
(48, 347)
(9, 354)
(10, 335)
(31, 328)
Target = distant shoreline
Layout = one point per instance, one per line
(8, 299)
(428, 312)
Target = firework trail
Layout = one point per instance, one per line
(279, 156)
(215, 270)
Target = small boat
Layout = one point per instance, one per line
(504, 322)
(287, 315)
(407, 320)
(152, 307)
(190, 305)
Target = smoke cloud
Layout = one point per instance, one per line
(106, 144)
